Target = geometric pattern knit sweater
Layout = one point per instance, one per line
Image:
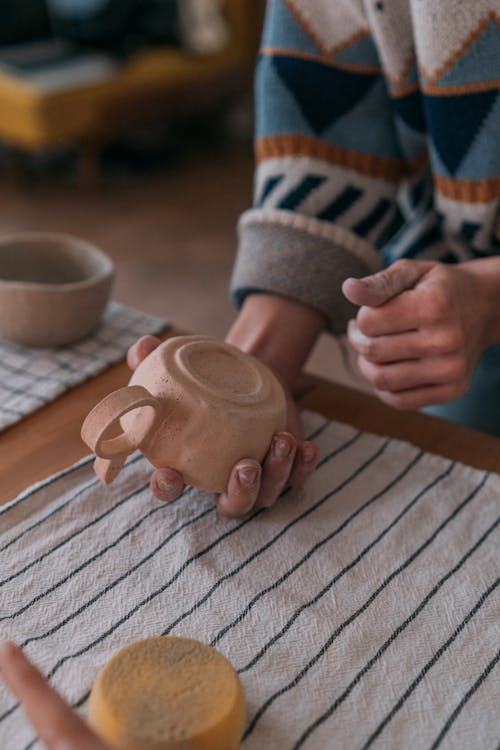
(377, 137)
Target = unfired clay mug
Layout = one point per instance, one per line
(195, 405)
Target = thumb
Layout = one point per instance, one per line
(380, 287)
(56, 724)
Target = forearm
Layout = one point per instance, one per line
(279, 331)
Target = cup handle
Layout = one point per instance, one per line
(108, 469)
(111, 452)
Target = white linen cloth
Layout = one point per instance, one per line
(31, 378)
(361, 612)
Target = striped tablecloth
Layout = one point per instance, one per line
(360, 612)
(31, 378)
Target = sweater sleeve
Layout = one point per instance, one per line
(329, 162)
(458, 56)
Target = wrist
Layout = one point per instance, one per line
(278, 331)
(485, 273)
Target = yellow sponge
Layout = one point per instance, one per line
(168, 693)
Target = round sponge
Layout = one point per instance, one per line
(168, 693)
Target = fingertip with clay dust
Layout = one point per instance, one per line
(351, 290)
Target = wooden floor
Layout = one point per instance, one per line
(171, 232)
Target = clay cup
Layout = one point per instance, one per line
(195, 405)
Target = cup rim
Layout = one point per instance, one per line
(105, 272)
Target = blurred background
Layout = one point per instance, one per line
(130, 123)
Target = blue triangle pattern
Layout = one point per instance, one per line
(409, 109)
(413, 144)
(323, 93)
(482, 161)
(286, 31)
(362, 52)
(468, 112)
(478, 64)
(368, 127)
(281, 113)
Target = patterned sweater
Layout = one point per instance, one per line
(377, 137)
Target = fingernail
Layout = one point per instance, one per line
(308, 453)
(134, 358)
(166, 488)
(248, 475)
(281, 448)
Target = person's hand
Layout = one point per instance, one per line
(56, 724)
(289, 461)
(420, 329)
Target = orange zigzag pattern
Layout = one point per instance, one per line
(464, 47)
(328, 51)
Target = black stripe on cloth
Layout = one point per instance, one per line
(335, 452)
(334, 635)
(272, 541)
(319, 430)
(339, 575)
(52, 513)
(82, 700)
(326, 715)
(150, 597)
(452, 718)
(468, 695)
(125, 575)
(58, 546)
(315, 434)
(311, 552)
(118, 580)
(43, 484)
(157, 509)
(120, 538)
(156, 593)
(432, 661)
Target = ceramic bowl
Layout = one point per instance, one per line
(53, 288)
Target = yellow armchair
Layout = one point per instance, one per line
(151, 83)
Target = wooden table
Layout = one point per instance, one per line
(49, 440)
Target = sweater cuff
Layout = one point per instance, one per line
(302, 258)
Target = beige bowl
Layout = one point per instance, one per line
(53, 288)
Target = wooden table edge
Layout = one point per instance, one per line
(48, 440)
